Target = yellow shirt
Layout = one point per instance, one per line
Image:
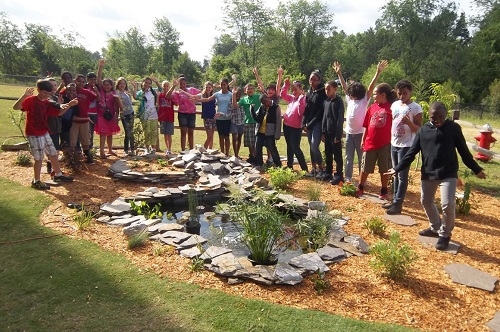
(262, 128)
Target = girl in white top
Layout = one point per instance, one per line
(357, 99)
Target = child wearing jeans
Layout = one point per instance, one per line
(237, 121)
(165, 105)
(268, 118)
(37, 109)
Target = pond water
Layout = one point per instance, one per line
(222, 232)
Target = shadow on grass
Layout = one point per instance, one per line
(61, 283)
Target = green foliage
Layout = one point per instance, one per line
(162, 162)
(375, 225)
(193, 202)
(23, 159)
(347, 189)
(143, 208)
(492, 101)
(438, 93)
(262, 225)
(462, 204)
(315, 229)
(320, 284)
(84, 218)
(18, 119)
(392, 259)
(138, 240)
(282, 178)
(314, 191)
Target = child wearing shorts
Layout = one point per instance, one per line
(38, 108)
(237, 121)
(165, 105)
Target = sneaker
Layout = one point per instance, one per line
(383, 194)
(326, 177)
(428, 232)
(39, 185)
(269, 162)
(442, 243)
(337, 179)
(312, 173)
(62, 178)
(130, 153)
(359, 192)
(387, 205)
(49, 167)
(394, 209)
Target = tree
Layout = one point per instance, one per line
(224, 45)
(10, 45)
(189, 68)
(40, 42)
(128, 53)
(166, 46)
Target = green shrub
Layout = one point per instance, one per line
(83, 218)
(462, 204)
(23, 159)
(282, 178)
(314, 191)
(375, 225)
(347, 189)
(143, 208)
(138, 240)
(392, 259)
(315, 229)
(320, 284)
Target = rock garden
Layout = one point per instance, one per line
(219, 223)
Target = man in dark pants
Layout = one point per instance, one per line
(437, 140)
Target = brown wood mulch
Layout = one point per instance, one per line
(426, 299)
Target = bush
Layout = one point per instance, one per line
(282, 178)
(23, 159)
(391, 259)
(347, 189)
(375, 225)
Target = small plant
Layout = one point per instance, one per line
(315, 229)
(282, 178)
(138, 240)
(197, 264)
(462, 204)
(162, 162)
(159, 249)
(392, 259)
(72, 158)
(23, 159)
(314, 192)
(143, 208)
(83, 218)
(375, 225)
(320, 283)
(347, 189)
(18, 119)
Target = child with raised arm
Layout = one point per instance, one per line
(37, 109)
(165, 107)
(237, 121)
(268, 117)
(249, 139)
(357, 98)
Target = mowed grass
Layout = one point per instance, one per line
(58, 283)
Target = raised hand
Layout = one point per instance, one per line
(235, 90)
(287, 81)
(280, 71)
(336, 66)
(382, 65)
(29, 92)
(101, 62)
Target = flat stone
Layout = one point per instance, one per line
(225, 265)
(119, 166)
(190, 165)
(234, 281)
(260, 274)
(494, 324)
(189, 157)
(469, 276)
(316, 205)
(177, 236)
(174, 191)
(118, 206)
(358, 242)
(132, 230)
(104, 219)
(284, 274)
(346, 246)
(430, 242)
(213, 252)
(207, 158)
(162, 227)
(126, 221)
(331, 254)
(169, 241)
(179, 163)
(400, 219)
(309, 263)
(152, 190)
(189, 252)
(336, 233)
(192, 241)
(373, 198)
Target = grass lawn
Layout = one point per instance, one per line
(58, 283)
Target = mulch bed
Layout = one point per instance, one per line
(426, 299)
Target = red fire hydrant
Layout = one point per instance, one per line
(485, 138)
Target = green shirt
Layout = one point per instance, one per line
(245, 102)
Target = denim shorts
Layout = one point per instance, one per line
(166, 128)
(187, 120)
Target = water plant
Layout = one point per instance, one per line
(392, 259)
(143, 208)
(193, 223)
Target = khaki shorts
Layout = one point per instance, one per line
(380, 156)
(79, 131)
(41, 146)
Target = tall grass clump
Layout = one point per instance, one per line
(282, 178)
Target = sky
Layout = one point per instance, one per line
(198, 22)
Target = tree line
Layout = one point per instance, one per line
(424, 41)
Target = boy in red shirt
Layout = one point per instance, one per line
(38, 108)
(376, 141)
